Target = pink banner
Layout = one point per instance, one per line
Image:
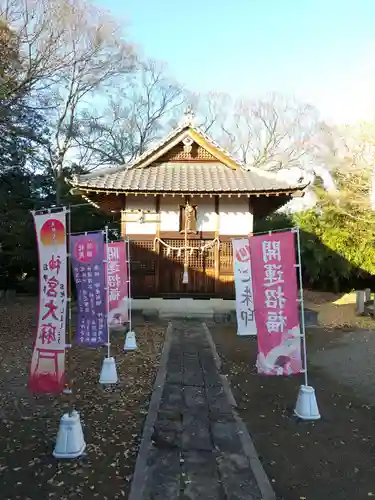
(273, 262)
(117, 284)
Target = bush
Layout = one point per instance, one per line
(337, 253)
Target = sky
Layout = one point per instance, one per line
(320, 51)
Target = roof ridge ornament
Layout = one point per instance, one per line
(188, 117)
(188, 144)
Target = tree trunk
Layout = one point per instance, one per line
(59, 185)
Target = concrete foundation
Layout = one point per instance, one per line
(184, 308)
(219, 310)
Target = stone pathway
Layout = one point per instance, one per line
(195, 451)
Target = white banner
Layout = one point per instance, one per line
(48, 360)
(244, 287)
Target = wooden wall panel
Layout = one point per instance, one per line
(178, 153)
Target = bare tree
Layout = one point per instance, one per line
(271, 133)
(353, 171)
(137, 113)
(72, 52)
(274, 133)
(212, 110)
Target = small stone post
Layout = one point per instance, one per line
(367, 294)
(360, 302)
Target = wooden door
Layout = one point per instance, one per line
(201, 270)
(143, 263)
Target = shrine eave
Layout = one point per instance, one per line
(295, 193)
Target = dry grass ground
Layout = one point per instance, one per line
(332, 458)
(336, 310)
(113, 420)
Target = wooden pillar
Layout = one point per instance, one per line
(157, 246)
(217, 249)
(123, 223)
(251, 211)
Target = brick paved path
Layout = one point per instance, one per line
(196, 450)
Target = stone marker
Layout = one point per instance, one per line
(360, 302)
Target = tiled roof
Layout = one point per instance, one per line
(186, 178)
(145, 174)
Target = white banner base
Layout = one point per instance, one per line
(70, 442)
(307, 406)
(108, 374)
(130, 342)
(246, 334)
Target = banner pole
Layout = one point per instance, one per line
(301, 301)
(107, 291)
(129, 284)
(68, 389)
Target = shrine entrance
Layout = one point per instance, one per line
(156, 272)
(201, 271)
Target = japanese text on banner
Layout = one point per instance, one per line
(276, 303)
(89, 275)
(243, 287)
(48, 360)
(117, 284)
(274, 298)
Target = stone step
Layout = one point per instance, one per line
(184, 314)
(311, 317)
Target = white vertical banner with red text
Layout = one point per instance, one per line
(117, 285)
(244, 287)
(48, 359)
(273, 259)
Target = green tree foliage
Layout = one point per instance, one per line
(21, 130)
(17, 252)
(337, 241)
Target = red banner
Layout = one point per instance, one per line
(48, 360)
(117, 284)
(273, 262)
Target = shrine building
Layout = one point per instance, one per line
(181, 203)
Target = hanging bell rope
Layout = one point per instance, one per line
(170, 249)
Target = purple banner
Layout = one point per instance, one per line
(87, 254)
